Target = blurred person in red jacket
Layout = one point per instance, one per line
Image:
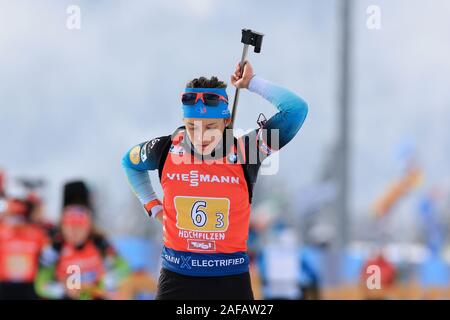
(378, 276)
(21, 243)
(78, 247)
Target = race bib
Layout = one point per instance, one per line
(202, 214)
(18, 266)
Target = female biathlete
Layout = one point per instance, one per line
(207, 176)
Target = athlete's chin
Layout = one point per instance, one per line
(204, 150)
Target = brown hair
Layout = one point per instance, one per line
(203, 82)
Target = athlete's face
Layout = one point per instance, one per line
(75, 234)
(205, 134)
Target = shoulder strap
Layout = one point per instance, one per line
(165, 150)
(250, 170)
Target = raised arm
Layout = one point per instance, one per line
(292, 109)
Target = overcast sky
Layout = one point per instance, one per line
(73, 101)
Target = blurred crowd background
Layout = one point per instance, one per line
(73, 101)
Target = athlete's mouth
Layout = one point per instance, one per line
(203, 146)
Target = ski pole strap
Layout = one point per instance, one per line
(261, 120)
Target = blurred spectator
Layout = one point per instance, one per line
(21, 242)
(386, 276)
(77, 243)
(280, 265)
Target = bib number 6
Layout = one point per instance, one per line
(198, 216)
(202, 214)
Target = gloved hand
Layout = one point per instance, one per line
(154, 209)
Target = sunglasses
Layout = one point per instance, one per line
(208, 98)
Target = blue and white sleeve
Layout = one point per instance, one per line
(136, 163)
(292, 110)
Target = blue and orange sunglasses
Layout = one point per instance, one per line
(208, 98)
